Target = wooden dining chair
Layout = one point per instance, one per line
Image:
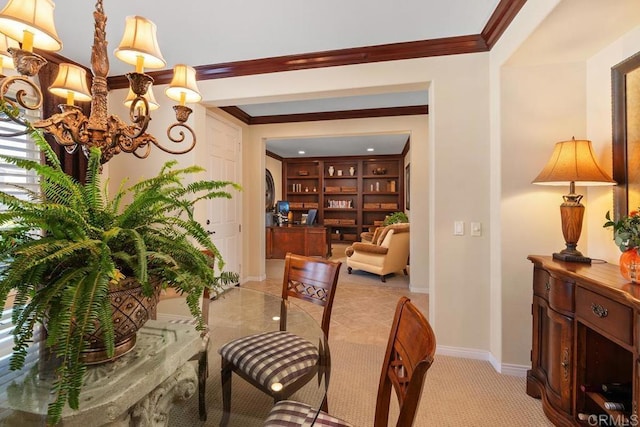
(279, 363)
(409, 355)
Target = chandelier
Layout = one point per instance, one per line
(30, 23)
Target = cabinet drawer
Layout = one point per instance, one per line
(541, 283)
(559, 293)
(605, 315)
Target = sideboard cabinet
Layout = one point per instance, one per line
(586, 322)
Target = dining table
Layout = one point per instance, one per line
(240, 312)
(156, 383)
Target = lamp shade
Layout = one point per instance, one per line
(34, 17)
(183, 86)
(573, 161)
(140, 41)
(5, 44)
(153, 104)
(71, 79)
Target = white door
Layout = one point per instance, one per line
(223, 219)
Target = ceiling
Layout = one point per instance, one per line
(201, 32)
(222, 32)
(224, 37)
(351, 145)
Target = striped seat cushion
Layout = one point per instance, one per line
(271, 357)
(288, 413)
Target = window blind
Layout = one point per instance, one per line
(20, 183)
(14, 180)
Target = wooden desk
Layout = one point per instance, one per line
(298, 239)
(585, 333)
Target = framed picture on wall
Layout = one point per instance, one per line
(625, 82)
(407, 182)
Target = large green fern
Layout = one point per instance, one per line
(64, 248)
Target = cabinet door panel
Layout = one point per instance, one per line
(556, 349)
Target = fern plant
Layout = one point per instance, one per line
(64, 248)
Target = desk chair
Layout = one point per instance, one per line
(409, 355)
(279, 363)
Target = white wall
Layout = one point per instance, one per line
(449, 160)
(553, 111)
(599, 129)
(490, 130)
(449, 174)
(541, 103)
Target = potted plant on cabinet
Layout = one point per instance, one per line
(395, 218)
(66, 250)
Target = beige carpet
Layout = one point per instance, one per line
(457, 392)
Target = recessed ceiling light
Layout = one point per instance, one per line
(369, 149)
(300, 152)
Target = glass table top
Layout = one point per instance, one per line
(162, 354)
(240, 312)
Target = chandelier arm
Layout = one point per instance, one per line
(69, 128)
(147, 151)
(21, 94)
(121, 137)
(178, 140)
(70, 149)
(139, 115)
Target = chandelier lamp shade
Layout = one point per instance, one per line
(71, 83)
(572, 162)
(139, 45)
(29, 24)
(149, 96)
(6, 60)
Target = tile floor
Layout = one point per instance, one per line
(363, 306)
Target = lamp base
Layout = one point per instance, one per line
(572, 257)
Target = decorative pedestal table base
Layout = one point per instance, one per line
(137, 389)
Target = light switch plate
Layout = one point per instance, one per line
(458, 228)
(476, 229)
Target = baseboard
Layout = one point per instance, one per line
(417, 290)
(467, 353)
(253, 279)
(515, 370)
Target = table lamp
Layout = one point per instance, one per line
(572, 162)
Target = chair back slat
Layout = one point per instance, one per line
(409, 355)
(313, 280)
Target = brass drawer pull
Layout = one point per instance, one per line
(547, 285)
(565, 363)
(599, 310)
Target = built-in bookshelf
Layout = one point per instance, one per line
(350, 193)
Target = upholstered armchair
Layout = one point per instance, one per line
(371, 235)
(388, 253)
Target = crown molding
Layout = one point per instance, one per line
(500, 19)
(327, 115)
(330, 58)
